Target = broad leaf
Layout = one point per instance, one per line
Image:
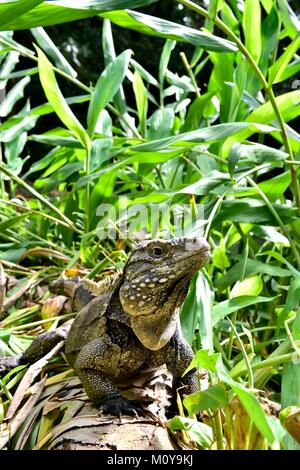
(227, 307)
(214, 397)
(57, 100)
(11, 10)
(154, 26)
(60, 11)
(106, 88)
(251, 27)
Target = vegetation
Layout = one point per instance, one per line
(228, 143)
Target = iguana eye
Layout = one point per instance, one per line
(157, 251)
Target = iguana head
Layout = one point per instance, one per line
(156, 280)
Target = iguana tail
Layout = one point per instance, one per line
(76, 289)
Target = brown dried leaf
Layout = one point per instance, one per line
(44, 252)
(78, 422)
(28, 379)
(52, 307)
(7, 430)
(292, 424)
(30, 421)
(18, 294)
(153, 387)
(16, 267)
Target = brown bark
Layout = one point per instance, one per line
(93, 432)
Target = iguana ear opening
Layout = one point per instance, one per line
(154, 331)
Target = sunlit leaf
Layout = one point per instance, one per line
(57, 100)
(106, 88)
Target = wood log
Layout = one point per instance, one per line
(94, 432)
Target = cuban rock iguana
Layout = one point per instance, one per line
(127, 326)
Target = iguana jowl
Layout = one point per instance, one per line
(131, 325)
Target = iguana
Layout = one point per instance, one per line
(127, 326)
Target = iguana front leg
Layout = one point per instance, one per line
(99, 365)
(39, 347)
(177, 355)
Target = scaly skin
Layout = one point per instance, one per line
(131, 325)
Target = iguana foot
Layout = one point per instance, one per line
(118, 406)
(9, 363)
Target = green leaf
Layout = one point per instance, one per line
(144, 73)
(269, 30)
(50, 48)
(254, 410)
(57, 100)
(250, 286)
(195, 112)
(214, 397)
(11, 59)
(55, 138)
(146, 157)
(209, 184)
(164, 60)
(205, 135)
(272, 235)
(199, 432)
(204, 359)
(223, 72)
(15, 94)
(219, 257)
(289, 18)
(281, 259)
(15, 127)
(12, 221)
(227, 307)
(267, 4)
(251, 210)
(261, 153)
(10, 10)
(109, 53)
(141, 100)
(233, 158)
(291, 70)
(289, 105)
(106, 87)
(275, 187)
(252, 267)
(13, 149)
(249, 402)
(154, 26)
(161, 123)
(196, 312)
(60, 11)
(57, 154)
(276, 71)
(292, 301)
(251, 28)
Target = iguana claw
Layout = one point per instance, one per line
(119, 406)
